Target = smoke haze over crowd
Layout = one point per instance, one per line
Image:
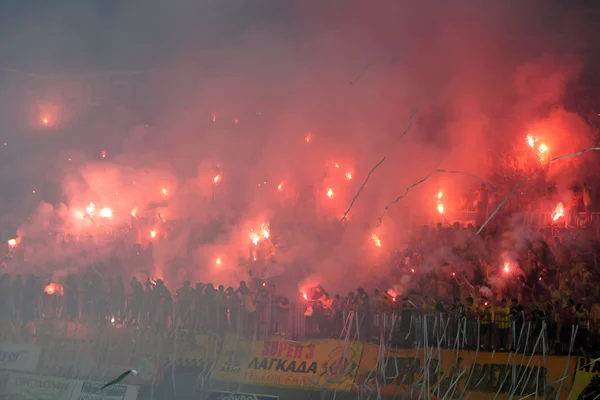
(259, 110)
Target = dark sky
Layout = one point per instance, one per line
(72, 34)
(100, 34)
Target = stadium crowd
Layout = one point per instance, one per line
(445, 288)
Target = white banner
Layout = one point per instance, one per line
(38, 386)
(19, 357)
(88, 390)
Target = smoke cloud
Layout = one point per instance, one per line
(273, 114)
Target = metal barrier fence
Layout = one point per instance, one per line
(405, 328)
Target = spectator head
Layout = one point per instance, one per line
(469, 300)
(515, 302)
(503, 302)
(360, 290)
(221, 288)
(456, 300)
(186, 283)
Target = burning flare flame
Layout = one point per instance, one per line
(558, 212)
(217, 178)
(263, 234)
(106, 212)
(440, 205)
(376, 240)
(54, 288)
(152, 234)
(542, 148)
(330, 193)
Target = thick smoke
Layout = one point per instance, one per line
(257, 128)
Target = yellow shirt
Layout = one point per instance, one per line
(472, 310)
(487, 314)
(503, 321)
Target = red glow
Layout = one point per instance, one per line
(559, 211)
(54, 288)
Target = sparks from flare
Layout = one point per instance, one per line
(90, 209)
(376, 240)
(440, 205)
(263, 232)
(542, 148)
(530, 140)
(559, 211)
(54, 288)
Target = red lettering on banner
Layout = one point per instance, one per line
(282, 347)
(289, 350)
(311, 351)
(298, 352)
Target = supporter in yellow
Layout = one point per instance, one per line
(486, 313)
(428, 306)
(472, 308)
(503, 323)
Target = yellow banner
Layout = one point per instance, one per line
(396, 372)
(479, 375)
(482, 375)
(317, 364)
(587, 379)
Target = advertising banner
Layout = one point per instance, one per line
(88, 390)
(453, 375)
(38, 386)
(19, 357)
(506, 375)
(316, 364)
(238, 396)
(587, 379)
